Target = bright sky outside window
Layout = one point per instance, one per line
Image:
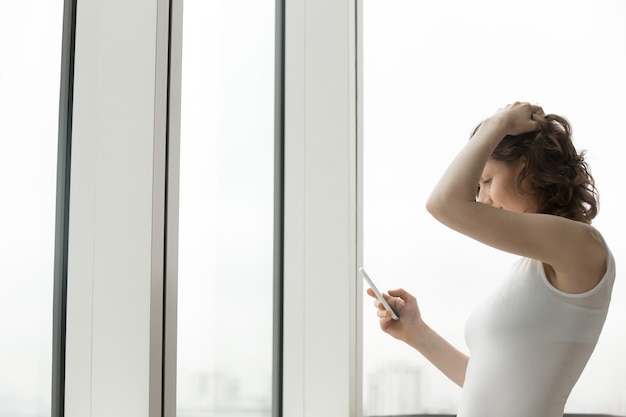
(29, 108)
(432, 71)
(226, 209)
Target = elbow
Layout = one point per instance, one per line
(443, 208)
(435, 206)
(430, 205)
(446, 206)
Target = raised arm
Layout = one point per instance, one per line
(412, 330)
(458, 184)
(571, 250)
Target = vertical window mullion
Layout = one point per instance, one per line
(170, 301)
(279, 209)
(114, 327)
(62, 208)
(321, 291)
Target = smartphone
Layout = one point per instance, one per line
(378, 294)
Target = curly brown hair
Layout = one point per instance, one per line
(558, 175)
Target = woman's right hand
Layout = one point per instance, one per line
(519, 117)
(412, 330)
(406, 306)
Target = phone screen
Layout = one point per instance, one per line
(378, 294)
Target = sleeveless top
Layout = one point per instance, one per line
(529, 343)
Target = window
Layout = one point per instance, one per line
(29, 108)
(226, 277)
(432, 71)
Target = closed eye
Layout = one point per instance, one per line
(479, 186)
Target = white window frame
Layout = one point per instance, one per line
(117, 223)
(121, 280)
(322, 294)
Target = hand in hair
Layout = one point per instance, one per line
(518, 118)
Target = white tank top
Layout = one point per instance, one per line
(529, 343)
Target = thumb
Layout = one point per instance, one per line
(401, 293)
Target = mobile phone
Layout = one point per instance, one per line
(378, 294)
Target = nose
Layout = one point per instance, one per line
(483, 196)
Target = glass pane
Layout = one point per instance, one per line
(30, 35)
(226, 209)
(432, 71)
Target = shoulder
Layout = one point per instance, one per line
(585, 261)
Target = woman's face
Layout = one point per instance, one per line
(498, 188)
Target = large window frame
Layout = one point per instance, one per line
(125, 116)
(120, 340)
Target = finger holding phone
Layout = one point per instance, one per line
(400, 303)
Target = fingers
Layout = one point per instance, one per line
(401, 293)
(383, 314)
(376, 302)
(520, 117)
(536, 113)
(371, 293)
(529, 109)
(523, 106)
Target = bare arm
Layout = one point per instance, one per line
(412, 330)
(571, 248)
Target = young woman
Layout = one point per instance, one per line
(531, 338)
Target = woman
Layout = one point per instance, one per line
(530, 340)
